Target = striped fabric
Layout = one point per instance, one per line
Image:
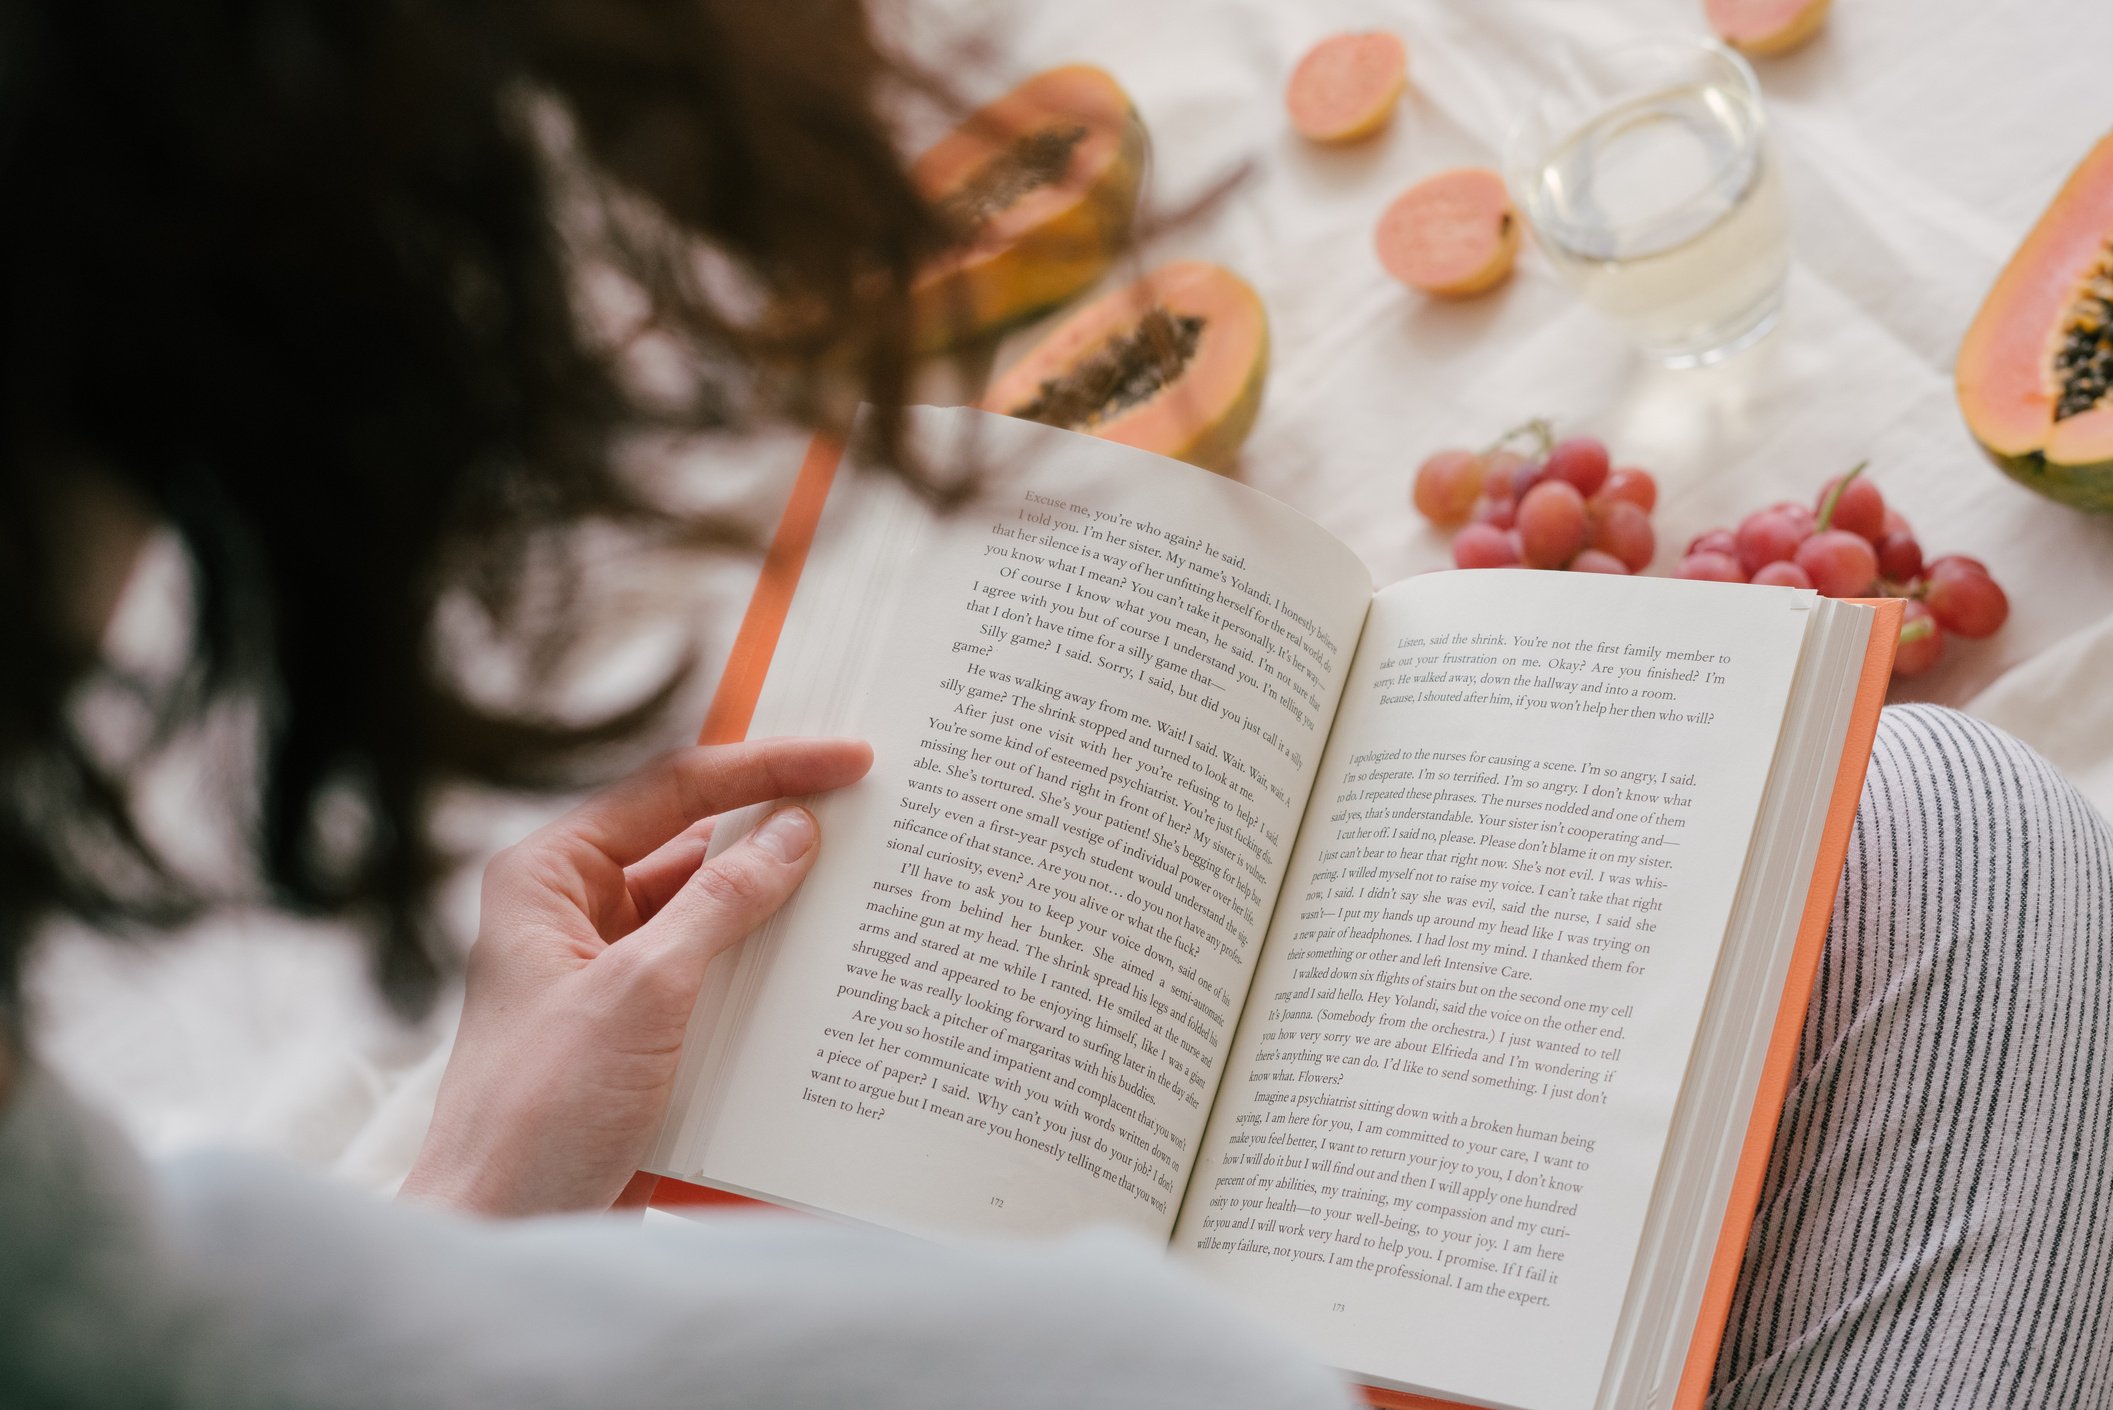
(1937, 1225)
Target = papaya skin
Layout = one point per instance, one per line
(1205, 413)
(1052, 243)
(1217, 446)
(2087, 486)
(2002, 375)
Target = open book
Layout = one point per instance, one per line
(1422, 967)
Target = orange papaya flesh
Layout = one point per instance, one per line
(2034, 373)
(1039, 189)
(1173, 363)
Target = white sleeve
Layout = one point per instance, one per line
(400, 1306)
(227, 1282)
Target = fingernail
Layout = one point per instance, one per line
(786, 834)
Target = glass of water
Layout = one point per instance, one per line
(1647, 176)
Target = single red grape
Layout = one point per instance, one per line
(1447, 485)
(1716, 541)
(1964, 599)
(1623, 530)
(1503, 470)
(1483, 546)
(1582, 460)
(1800, 515)
(1551, 524)
(1782, 574)
(1938, 562)
(1896, 522)
(1840, 563)
(1528, 474)
(1861, 510)
(1491, 510)
(1899, 555)
(1633, 485)
(1710, 565)
(1766, 536)
(1921, 642)
(1593, 560)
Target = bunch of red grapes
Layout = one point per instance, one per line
(1565, 508)
(1851, 545)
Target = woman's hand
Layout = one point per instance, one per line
(591, 947)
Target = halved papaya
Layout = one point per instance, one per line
(2035, 372)
(1039, 188)
(1172, 363)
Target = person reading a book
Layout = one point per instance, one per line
(300, 287)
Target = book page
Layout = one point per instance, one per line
(1453, 1084)
(1097, 698)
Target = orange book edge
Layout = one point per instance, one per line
(734, 705)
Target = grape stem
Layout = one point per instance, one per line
(1917, 630)
(1834, 497)
(1539, 427)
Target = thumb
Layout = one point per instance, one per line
(731, 895)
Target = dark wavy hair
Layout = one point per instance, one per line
(302, 280)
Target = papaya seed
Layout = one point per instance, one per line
(1126, 370)
(2083, 354)
(1037, 159)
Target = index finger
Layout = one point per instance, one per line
(630, 819)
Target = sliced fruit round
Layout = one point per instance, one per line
(1347, 86)
(1765, 27)
(2035, 371)
(1454, 234)
(1039, 189)
(1173, 363)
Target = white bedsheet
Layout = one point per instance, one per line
(1920, 140)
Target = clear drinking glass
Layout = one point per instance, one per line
(1647, 176)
